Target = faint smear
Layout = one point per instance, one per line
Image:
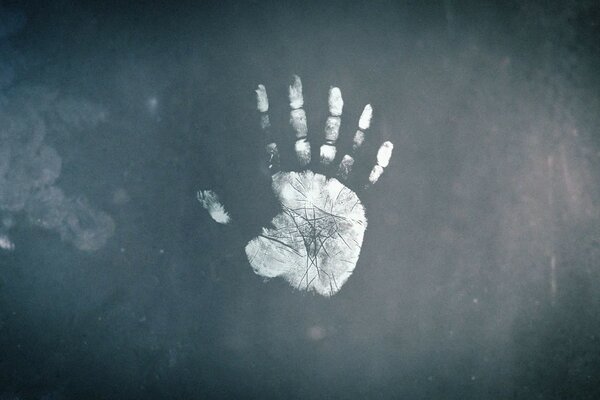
(29, 167)
(6, 243)
(120, 197)
(316, 333)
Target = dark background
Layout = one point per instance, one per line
(480, 272)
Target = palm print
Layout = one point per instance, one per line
(314, 242)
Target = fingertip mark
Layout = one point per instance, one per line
(364, 122)
(384, 154)
(336, 103)
(262, 101)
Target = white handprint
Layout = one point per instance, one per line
(315, 241)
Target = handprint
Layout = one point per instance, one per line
(314, 242)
